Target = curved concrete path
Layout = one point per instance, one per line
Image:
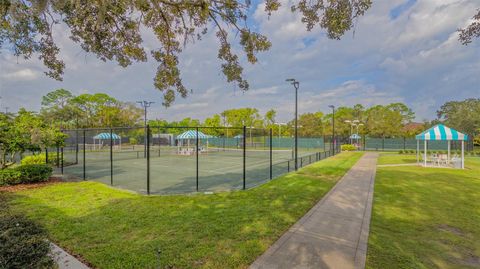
(334, 233)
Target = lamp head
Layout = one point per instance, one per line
(290, 80)
(331, 106)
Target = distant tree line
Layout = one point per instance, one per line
(63, 110)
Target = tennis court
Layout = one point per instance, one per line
(177, 167)
(218, 169)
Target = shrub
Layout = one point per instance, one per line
(401, 152)
(40, 159)
(348, 147)
(10, 176)
(31, 173)
(132, 141)
(23, 244)
(34, 159)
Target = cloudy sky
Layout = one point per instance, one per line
(402, 51)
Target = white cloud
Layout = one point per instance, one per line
(414, 58)
(22, 74)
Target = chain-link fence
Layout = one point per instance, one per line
(185, 159)
(397, 144)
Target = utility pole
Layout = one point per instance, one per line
(145, 105)
(296, 85)
(333, 127)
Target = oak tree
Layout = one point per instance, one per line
(112, 30)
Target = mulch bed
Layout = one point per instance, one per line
(21, 187)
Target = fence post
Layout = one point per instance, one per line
(111, 156)
(244, 154)
(62, 160)
(271, 155)
(147, 145)
(76, 146)
(159, 142)
(84, 149)
(288, 166)
(383, 143)
(46, 155)
(324, 146)
(196, 156)
(404, 143)
(58, 156)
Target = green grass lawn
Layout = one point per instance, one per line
(425, 217)
(111, 228)
(395, 158)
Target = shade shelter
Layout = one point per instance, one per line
(441, 132)
(189, 137)
(101, 137)
(355, 136)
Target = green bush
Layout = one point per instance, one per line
(132, 141)
(32, 173)
(348, 147)
(401, 152)
(23, 244)
(34, 159)
(40, 159)
(10, 176)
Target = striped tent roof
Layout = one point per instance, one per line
(106, 136)
(355, 136)
(192, 134)
(441, 132)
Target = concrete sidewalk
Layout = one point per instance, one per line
(334, 233)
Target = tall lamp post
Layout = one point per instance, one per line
(296, 85)
(145, 105)
(333, 126)
(280, 129)
(358, 136)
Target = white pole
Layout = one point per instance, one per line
(418, 151)
(425, 153)
(448, 152)
(463, 155)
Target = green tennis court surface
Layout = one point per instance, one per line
(219, 169)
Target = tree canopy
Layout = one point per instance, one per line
(112, 30)
(461, 115)
(472, 31)
(61, 107)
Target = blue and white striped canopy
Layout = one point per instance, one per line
(442, 133)
(106, 136)
(355, 136)
(192, 134)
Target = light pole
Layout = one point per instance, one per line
(352, 124)
(296, 85)
(333, 126)
(280, 129)
(358, 136)
(145, 105)
(351, 127)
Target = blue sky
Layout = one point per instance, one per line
(402, 51)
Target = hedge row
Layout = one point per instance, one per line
(29, 173)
